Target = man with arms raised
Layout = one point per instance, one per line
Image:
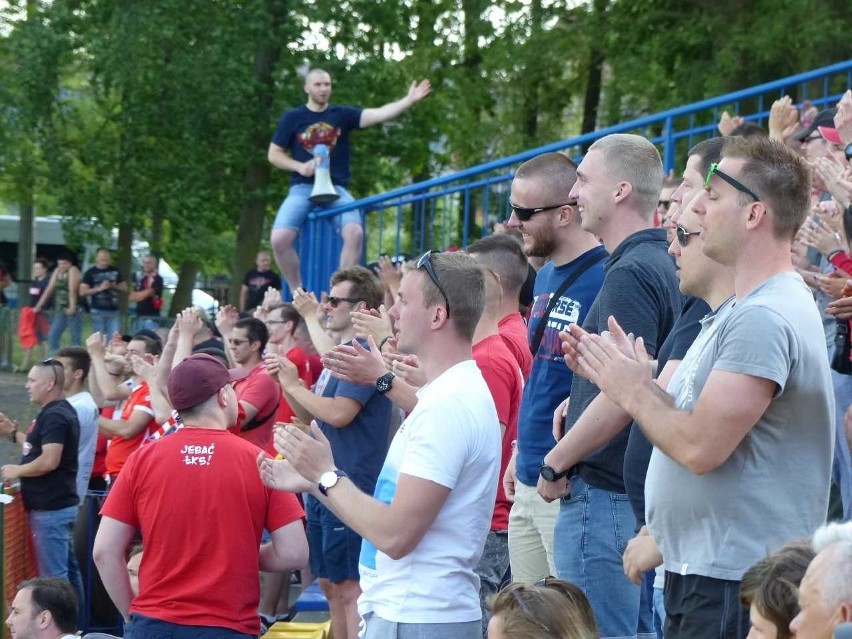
(425, 528)
(292, 149)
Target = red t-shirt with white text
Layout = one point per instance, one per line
(198, 499)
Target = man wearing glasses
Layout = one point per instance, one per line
(258, 394)
(743, 455)
(48, 472)
(355, 419)
(549, 222)
(426, 524)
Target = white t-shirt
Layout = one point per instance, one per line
(87, 415)
(452, 438)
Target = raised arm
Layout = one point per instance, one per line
(416, 92)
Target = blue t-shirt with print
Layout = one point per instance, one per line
(550, 379)
(360, 447)
(301, 129)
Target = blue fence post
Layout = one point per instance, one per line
(668, 146)
(442, 193)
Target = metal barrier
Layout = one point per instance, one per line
(17, 558)
(457, 208)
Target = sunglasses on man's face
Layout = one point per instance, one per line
(334, 302)
(524, 214)
(739, 186)
(683, 235)
(425, 262)
(53, 363)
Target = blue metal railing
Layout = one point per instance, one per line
(456, 208)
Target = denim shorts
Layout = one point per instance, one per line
(142, 627)
(296, 206)
(334, 546)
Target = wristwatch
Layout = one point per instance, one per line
(329, 480)
(848, 152)
(384, 383)
(551, 475)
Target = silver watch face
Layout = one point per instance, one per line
(328, 479)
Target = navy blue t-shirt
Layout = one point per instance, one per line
(360, 447)
(550, 379)
(641, 291)
(638, 452)
(301, 129)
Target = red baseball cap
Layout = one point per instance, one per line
(198, 378)
(830, 134)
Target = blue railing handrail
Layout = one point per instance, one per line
(656, 118)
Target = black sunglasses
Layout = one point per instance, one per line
(53, 363)
(425, 262)
(683, 235)
(336, 301)
(739, 186)
(665, 204)
(524, 214)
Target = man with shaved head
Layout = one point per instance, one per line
(48, 472)
(292, 149)
(547, 217)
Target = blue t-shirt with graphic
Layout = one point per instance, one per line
(301, 129)
(550, 379)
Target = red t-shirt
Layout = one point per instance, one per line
(264, 393)
(198, 499)
(503, 377)
(119, 448)
(513, 330)
(315, 362)
(307, 373)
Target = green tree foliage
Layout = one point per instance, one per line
(155, 116)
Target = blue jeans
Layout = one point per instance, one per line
(53, 538)
(378, 628)
(492, 567)
(141, 627)
(659, 612)
(60, 322)
(591, 533)
(842, 469)
(105, 322)
(296, 206)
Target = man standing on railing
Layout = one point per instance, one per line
(292, 149)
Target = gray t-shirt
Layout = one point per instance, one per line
(774, 486)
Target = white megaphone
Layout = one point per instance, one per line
(323, 191)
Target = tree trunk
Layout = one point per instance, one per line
(592, 99)
(124, 259)
(182, 298)
(258, 173)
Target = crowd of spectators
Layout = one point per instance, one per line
(654, 449)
